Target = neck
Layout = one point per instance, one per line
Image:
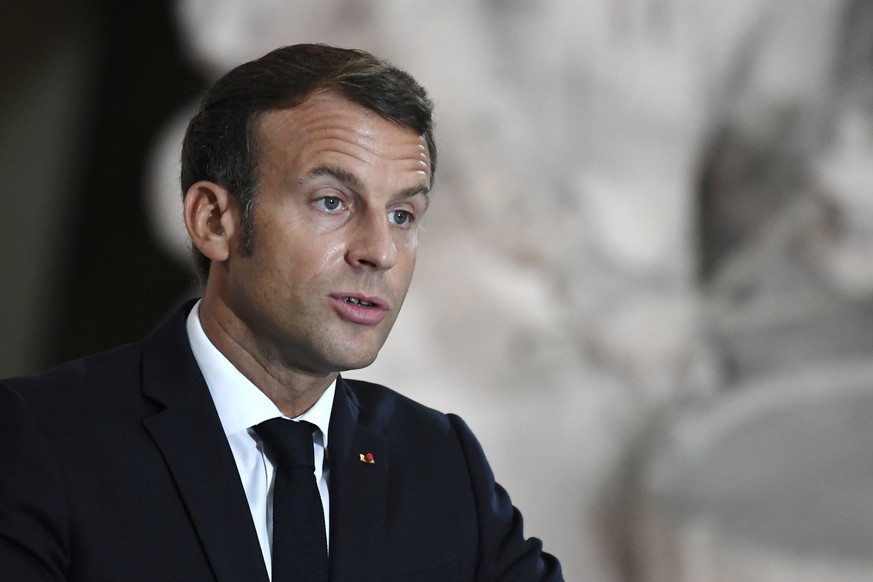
(292, 391)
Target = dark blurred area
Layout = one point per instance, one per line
(85, 87)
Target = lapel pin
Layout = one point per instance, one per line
(368, 458)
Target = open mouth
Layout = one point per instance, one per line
(357, 301)
(360, 309)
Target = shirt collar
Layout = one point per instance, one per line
(240, 404)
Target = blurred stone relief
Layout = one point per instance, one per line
(649, 215)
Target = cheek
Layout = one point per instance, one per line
(325, 254)
(407, 256)
(407, 241)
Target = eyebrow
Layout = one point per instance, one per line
(352, 181)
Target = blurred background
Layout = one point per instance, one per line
(646, 280)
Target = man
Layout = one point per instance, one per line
(305, 174)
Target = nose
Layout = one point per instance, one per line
(372, 243)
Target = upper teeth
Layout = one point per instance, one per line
(357, 301)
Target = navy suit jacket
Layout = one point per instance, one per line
(116, 468)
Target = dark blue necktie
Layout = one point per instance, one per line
(299, 539)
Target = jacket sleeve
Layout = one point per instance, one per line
(504, 554)
(33, 513)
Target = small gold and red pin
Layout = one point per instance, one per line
(367, 458)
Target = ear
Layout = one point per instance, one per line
(211, 219)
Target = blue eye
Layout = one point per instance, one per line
(400, 217)
(329, 203)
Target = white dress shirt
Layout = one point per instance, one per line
(241, 406)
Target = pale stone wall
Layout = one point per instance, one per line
(556, 305)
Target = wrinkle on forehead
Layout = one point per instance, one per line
(330, 123)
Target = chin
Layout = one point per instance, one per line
(356, 361)
(357, 365)
(355, 353)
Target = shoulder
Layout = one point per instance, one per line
(81, 375)
(378, 406)
(438, 457)
(76, 398)
(410, 427)
(108, 374)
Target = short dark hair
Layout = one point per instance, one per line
(221, 142)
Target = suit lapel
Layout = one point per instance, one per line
(358, 493)
(192, 442)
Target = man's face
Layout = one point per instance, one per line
(341, 191)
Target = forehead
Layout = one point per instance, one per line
(327, 128)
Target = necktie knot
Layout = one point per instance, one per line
(289, 443)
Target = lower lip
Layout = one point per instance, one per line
(360, 314)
